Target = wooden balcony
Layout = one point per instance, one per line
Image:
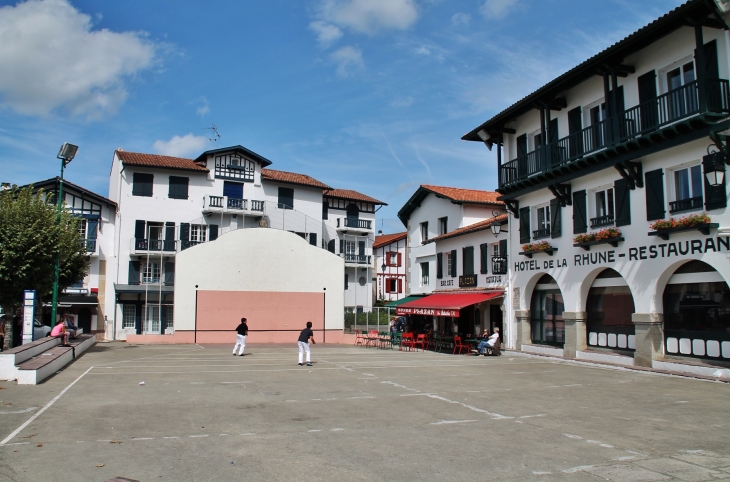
(634, 132)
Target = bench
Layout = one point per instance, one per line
(33, 362)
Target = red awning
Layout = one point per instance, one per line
(444, 304)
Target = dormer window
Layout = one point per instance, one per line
(233, 166)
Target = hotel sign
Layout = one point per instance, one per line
(468, 281)
(426, 311)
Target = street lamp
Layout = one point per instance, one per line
(66, 154)
(496, 229)
(715, 169)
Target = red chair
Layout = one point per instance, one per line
(372, 338)
(458, 345)
(408, 341)
(421, 339)
(358, 338)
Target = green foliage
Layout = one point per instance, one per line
(29, 236)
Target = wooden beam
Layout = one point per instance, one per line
(557, 104)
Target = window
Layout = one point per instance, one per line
(325, 210)
(286, 198)
(350, 248)
(603, 208)
(443, 225)
(392, 285)
(151, 273)
(681, 99)
(129, 316)
(449, 263)
(535, 139)
(543, 223)
(495, 250)
(393, 259)
(232, 166)
(595, 114)
(82, 228)
(687, 189)
(178, 187)
(154, 230)
(197, 233)
(424, 232)
(424, 274)
(142, 184)
(168, 317)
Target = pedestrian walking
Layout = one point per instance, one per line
(304, 337)
(242, 332)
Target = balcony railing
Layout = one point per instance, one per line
(239, 204)
(630, 124)
(599, 221)
(154, 244)
(499, 264)
(257, 206)
(215, 201)
(356, 258)
(354, 223)
(541, 233)
(685, 205)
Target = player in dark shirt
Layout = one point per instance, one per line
(304, 337)
(242, 332)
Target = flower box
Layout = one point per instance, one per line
(610, 236)
(695, 222)
(587, 244)
(541, 247)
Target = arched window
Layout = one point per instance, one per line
(546, 310)
(609, 308)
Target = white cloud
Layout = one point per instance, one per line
(181, 146)
(52, 59)
(369, 16)
(348, 60)
(327, 34)
(204, 108)
(460, 18)
(497, 8)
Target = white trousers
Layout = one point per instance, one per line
(240, 341)
(304, 348)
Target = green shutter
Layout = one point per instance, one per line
(133, 276)
(453, 264)
(213, 232)
(484, 257)
(555, 224)
(503, 247)
(525, 225)
(580, 222)
(654, 187)
(622, 202)
(439, 265)
(467, 267)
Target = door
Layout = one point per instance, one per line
(84, 320)
(151, 322)
(496, 321)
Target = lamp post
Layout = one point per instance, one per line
(382, 283)
(66, 154)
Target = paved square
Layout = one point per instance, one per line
(358, 414)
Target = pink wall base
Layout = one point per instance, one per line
(256, 337)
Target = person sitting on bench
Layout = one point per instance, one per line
(489, 344)
(70, 327)
(59, 331)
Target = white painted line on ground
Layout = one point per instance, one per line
(170, 437)
(636, 453)
(39, 412)
(530, 416)
(189, 372)
(541, 473)
(142, 438)
(226, 383)
(224, 435)
(445, 422)
(337, 429)
(196, 436)
(577, 469)
(291, 400)
(313, 431)
(577, 437)
(26, 410)
(15, 443)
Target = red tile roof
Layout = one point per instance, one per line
(464, 195)
(156, 160)
(384, 239)
(292, 178)
(472, 228)
(352, 195)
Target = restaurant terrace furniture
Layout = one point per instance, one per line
(395, 339)
(438, 342)
(383, 339)
(421, 339)
(408, 341)
(358, 338)
(372, 338)
(458, 345)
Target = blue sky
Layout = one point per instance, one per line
(371, 95)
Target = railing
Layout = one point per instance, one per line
(685, 205)
(599, 221)
(257, 206)
(356, 258)
(215, 201)
(674, 106)
(355, 223)
(239, 204)
(424, 280)
(154, 244)
(541, 233)
(499, 264)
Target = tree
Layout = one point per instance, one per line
(29, 238)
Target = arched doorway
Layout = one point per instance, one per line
(546, 310)
(697, 312)
(609, 308)
(84, 320)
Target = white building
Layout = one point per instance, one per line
(349, 217)
(391, 253)
(447, 235)
(169, 204)
(620, 142)
(87, 300)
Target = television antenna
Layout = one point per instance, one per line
(215, 133)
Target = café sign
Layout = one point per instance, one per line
(426, 311)
(468, 281)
